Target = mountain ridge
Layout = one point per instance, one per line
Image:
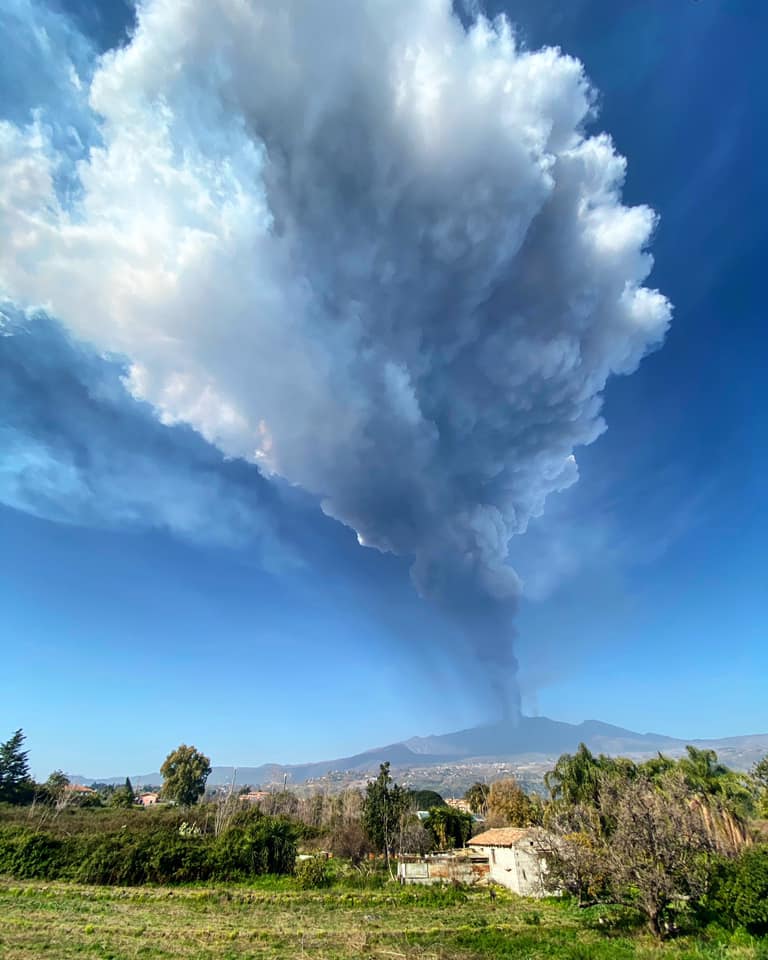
(526, 739)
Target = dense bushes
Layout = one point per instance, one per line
(253, 845)
(312, 873)
(738, 895)
(30, 855)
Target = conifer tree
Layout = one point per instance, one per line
(15, 782)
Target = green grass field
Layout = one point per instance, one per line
(273, 919)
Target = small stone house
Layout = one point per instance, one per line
(514, 855)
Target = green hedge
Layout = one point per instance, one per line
(738, 894)
(257, 846)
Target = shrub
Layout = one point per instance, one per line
(254, 845)
(312, 873)
(160, 854)
(738, 894)
(29, 855)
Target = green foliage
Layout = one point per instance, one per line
(185, 772)
(131, 859)
(255, 844)
(575, 778)
(122, 797)
(29, 855)
(760, 772)
(15, 782)
(384, 804)
(579, 778)
(707, 777)
(312, 873)
(738, 895)
(477, 797)
(425, 799)
(56, 783)
(657, 767)
(150, 853)
(760, 779)
(448, 828)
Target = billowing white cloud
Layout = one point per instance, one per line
(374, 253)
(78, 449)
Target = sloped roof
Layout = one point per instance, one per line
(501, 837)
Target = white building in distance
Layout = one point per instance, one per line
(515, 858)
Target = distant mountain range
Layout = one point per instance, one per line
(529, 740)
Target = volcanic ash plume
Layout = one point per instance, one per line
(367, 249)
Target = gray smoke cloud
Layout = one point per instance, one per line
(371, 251)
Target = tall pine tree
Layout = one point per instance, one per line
(15, 781)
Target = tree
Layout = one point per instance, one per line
(760, 773)
(702, 770)
(384, 805)
(507, 801)
(282, 803)
(657, 767)
(15, 782)
(425, 799)
(449, 828)
(660, 851)
(575, 778)
(55, 789)
(185, 772)
(707, 777)
(760, 777)
(646, 845)
(477, 797)
(578, 778)
(56, 783)
(123, 796)
(574, 847)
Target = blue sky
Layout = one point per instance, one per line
(155, 591)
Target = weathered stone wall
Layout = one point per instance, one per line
(444, 868)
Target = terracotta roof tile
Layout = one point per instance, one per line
(501, 836)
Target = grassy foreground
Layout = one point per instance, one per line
(273, 919)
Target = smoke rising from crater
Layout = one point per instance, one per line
(369, 250)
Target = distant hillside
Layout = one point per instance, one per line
(531, 739)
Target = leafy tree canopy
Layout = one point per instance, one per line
(449, 828)
(509, 802)
(57, 782)
(760, 772)
(185, 772)
(424, 799)
(477, 797)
